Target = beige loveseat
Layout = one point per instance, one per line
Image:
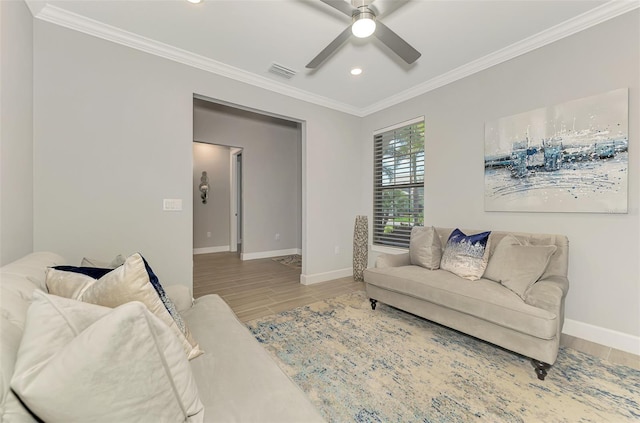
(530, 325)
(237, 381)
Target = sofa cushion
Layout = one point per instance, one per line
(18, 281)
(482, 298)
(15, 296)
(517, 265)
(33, 267)
(237, 379)
(133, 281)
(466, 255)
(424, 247)
(102, 364)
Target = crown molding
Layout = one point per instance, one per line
(35, 6)
(62, 17)
(569, 27)
(595, 16)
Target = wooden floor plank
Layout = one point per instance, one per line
(258, 288)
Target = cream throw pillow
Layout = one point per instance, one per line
(425, 248)
(518, 266)
(67, 284)
(133, 281)
(80, 362)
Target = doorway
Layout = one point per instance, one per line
(265, 215)
(217, 199)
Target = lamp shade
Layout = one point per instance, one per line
(363, 25)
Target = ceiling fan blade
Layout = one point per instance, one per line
(330, 49)
(384, 7)
(341, 5)
(395, 43)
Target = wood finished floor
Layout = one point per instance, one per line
(258, 288)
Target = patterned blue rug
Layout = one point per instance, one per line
(360, 365)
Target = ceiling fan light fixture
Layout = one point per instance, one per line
(364, 24)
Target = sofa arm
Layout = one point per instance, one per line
(180, 296)
(548, 294)
(393, 260)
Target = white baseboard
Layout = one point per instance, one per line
(207, 250)
(610, 338)
(325, 276)
(268, 254)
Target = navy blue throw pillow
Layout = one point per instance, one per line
(466, 255)
(92, 272)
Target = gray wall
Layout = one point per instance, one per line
(604, 248)
(272, 176)
(16, 131)
(113, 136)
(212, 217)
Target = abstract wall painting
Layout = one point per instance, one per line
(572, 157)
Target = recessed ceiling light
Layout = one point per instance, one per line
(194, 1)
(356, 71)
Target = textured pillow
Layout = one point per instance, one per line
(79, 362)
(71, 281)
(466, 255)
(518, 266)
(67, 284)
(424, 247)
(133, 281)
(117, 261)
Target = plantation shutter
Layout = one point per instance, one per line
(398, 183)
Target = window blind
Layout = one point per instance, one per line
(398, 183)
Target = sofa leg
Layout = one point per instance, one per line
(373, 303)
(540, 368)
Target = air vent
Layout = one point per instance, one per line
(282, 71)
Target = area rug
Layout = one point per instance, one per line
(294, 260)
(360, 365)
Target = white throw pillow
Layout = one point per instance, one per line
(518, 265)
(80, 362)
(133, 281)
(425, 248)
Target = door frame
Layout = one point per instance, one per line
(235, 191)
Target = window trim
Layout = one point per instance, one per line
(399, 125)
(401, 242)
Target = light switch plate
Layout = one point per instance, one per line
(172, 204)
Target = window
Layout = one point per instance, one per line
(398, 183)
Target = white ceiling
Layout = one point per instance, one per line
(241, 38)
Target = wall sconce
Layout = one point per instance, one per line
(204, 187)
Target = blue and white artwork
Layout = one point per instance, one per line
(572, 157)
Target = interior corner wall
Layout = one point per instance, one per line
(113, 135)
(271, 173)
(16, 131)
(604, 270)
(211, 227)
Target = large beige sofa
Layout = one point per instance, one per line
(483, 308)
(236, 379)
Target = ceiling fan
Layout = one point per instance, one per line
(364, 14)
